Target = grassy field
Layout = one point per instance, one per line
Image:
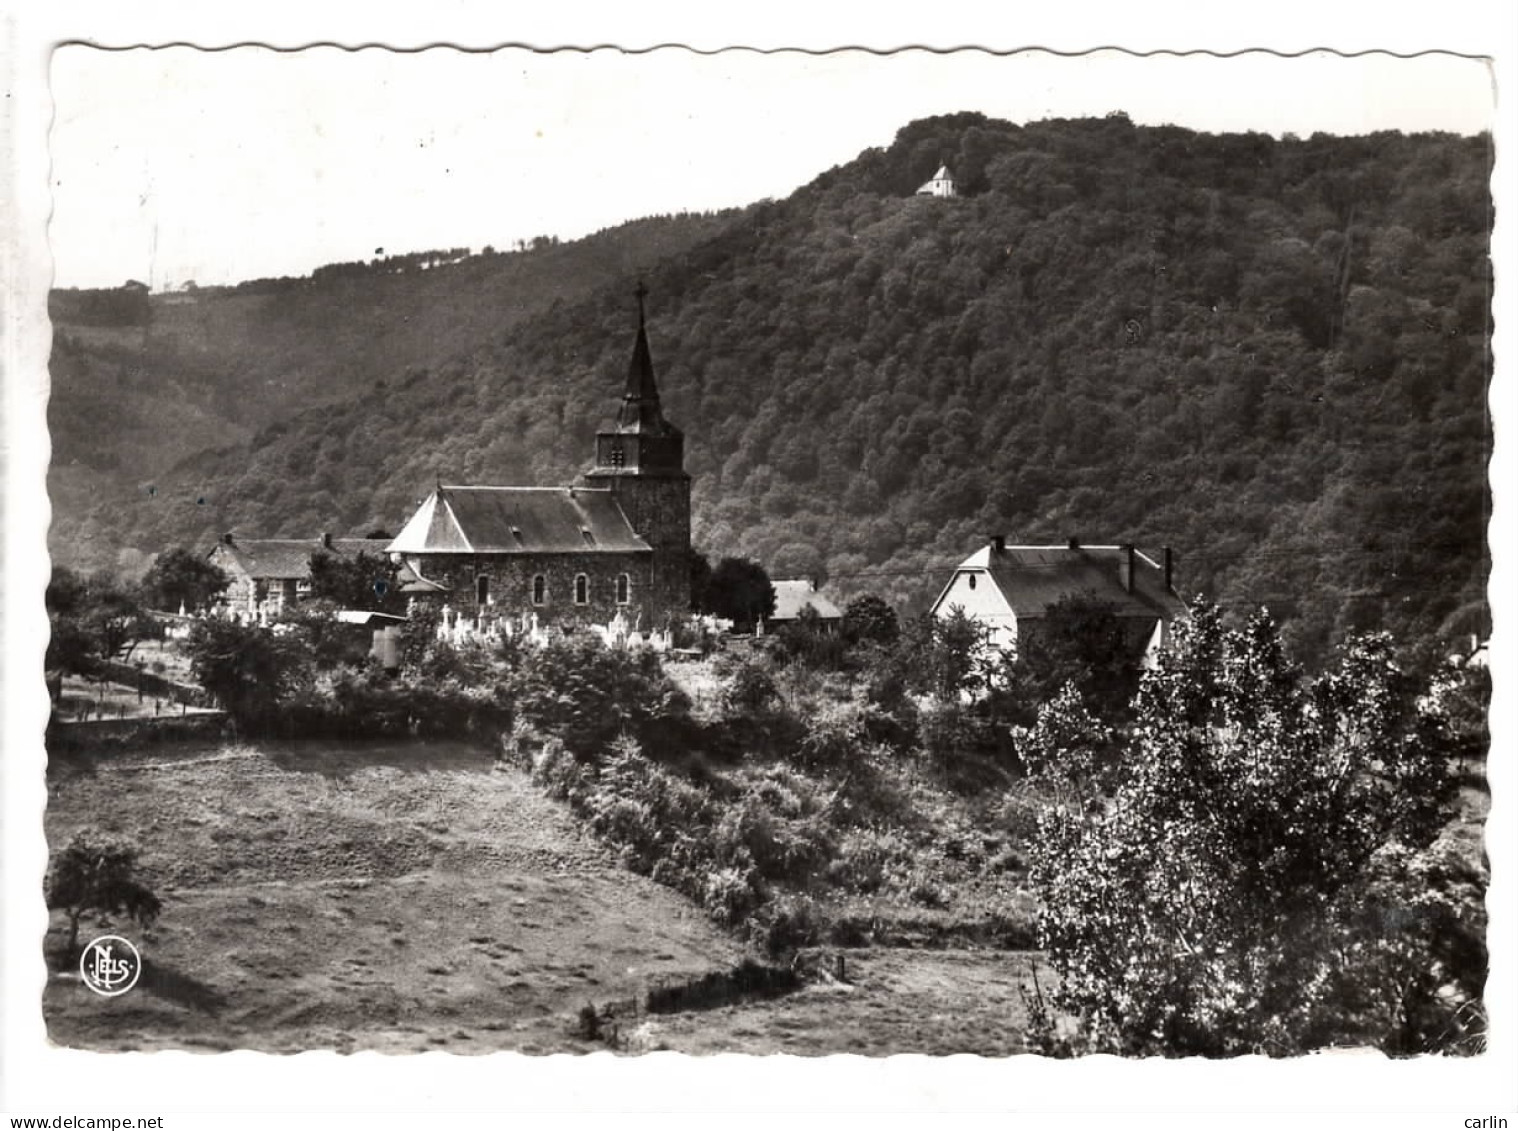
(412, 896)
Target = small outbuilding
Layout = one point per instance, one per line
(793, 595)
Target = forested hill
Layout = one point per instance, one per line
(1270, 355)
(141, 381)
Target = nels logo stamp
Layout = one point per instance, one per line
(110, 965)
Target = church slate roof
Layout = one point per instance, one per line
(519, 520)
(1035, 578)
(281, 559)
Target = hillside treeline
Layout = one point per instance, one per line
(122, 306)
(212, 367)
(1270, 355)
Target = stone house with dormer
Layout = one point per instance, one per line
(270, 575)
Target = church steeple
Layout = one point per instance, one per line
(640, 459)
(640, 410)
(639, 441)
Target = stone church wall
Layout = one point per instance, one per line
(510, 587)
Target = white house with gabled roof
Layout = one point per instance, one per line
(1010, 589)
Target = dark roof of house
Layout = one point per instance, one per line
(519, 520)
(1034, 578)
(279, 559)
(794, 595)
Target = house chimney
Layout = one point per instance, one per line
(326, 540)
(998, 543)
(1074, 543)
(1126, 566)
(1169, 571)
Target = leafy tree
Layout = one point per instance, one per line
(1260, 882)
(419, 635)
(740, 590)
(70, 647)
(949, 657)
(114, 617)
(328, 641)
(182, 577)
(869, 620)
(700, 581)
(67, 592)
(1080, 642)
(91, 619)
(364, 581)
(93, 873)
(807, 640)
(248, 669)
(1065, 746)
(586, 694)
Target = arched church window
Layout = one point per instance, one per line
(624, 588)
(972, 581)
(539, 589)
(582, 589)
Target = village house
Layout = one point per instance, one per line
(269, 575)
(1010, 589)
(611, 548)
(792, 595)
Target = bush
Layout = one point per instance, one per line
(330, 643)
(790, 923)
(958, 739)
(749, 691)
(865, 860)
(732, 894)
(588, 694)
(419, 636)
(250, 671)
(806, 641)
(834, 737)
(557, 771)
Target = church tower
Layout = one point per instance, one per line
(640, 458)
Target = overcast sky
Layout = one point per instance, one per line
(177, 164)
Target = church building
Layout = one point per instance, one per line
(942, 184)
(615, 542)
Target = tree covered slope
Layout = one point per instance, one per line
(141, 382)
(1270, 355)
